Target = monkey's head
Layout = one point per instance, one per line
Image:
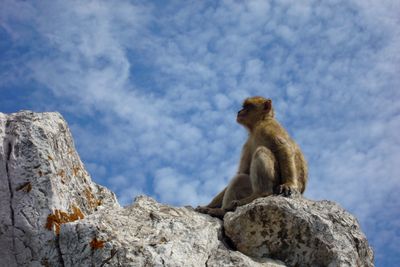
(255, 109)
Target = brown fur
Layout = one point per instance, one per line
(270, 162)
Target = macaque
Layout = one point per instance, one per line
(271, 162)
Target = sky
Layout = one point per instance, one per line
(150, 90)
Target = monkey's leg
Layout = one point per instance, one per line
(215, 212)
(217, 200)
(240, 187)
(263, 175)
(215, 203)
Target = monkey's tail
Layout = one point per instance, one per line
(303, 170)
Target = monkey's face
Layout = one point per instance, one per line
(254, 110)
(244, 113)
(249, 114)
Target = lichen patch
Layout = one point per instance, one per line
(59, 217)
(97, 244)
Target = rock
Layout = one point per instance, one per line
(299, 232)
(43, 184)
(52, 214)
(149, 234)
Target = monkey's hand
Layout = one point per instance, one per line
(285, 190)
(233, 205)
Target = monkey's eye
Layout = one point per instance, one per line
(248, 106)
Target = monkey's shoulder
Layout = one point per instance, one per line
(270, 129)
(271, 135)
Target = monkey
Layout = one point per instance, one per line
(271, 162)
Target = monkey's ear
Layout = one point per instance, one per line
(268, 105)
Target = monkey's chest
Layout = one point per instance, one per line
(259, 143)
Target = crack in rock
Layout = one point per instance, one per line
(8, 152)
(61, 259)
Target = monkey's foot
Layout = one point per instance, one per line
(214, 212)
(202, 209)
(217, 212)
(287, 191)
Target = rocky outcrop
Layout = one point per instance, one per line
(299, 231)
(150, 234)
(43, 185)
(52, 214)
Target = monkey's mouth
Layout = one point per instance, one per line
(239, 117)
(241, 114)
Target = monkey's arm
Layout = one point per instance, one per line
(245, 159)
(285, 155)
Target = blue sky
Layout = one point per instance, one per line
(150, 90)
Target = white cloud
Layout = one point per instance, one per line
(222, 101)
(127, 195)
(96, 170)
(172, 187)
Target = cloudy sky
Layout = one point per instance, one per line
(150, 90)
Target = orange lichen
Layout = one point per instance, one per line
(75, 170)
(91, 199)
(97, 244)
(59, 217)
(62, 175)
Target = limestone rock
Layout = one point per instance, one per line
(52, 214)
(43, 184)
(299, 232)
(149, 234)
